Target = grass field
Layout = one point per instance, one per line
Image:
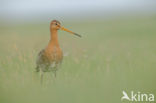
(112, 56)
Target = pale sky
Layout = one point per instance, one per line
(18, 9)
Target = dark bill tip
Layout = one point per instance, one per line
(77, 35)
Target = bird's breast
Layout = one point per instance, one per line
(55, 54)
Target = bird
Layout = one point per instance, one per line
(49, 58)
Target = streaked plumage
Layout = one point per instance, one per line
(49, 60)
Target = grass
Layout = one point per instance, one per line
(113, 55)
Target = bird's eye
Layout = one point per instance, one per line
(56, 24)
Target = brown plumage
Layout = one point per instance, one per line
(51, 57)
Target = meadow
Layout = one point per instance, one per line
(113, 55)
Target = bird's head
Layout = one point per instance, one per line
(56, 25)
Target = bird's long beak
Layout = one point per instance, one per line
(64, 29)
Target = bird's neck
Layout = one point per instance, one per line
(53, 39)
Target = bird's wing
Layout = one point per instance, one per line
(37, 68)
(39, 58)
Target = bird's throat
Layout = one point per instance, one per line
(53, 39)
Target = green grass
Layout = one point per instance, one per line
(112, 56)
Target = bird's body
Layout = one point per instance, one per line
(49, 60)
(51, 57)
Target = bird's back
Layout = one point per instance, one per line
(49, 59)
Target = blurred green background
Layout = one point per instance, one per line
(117, 52)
